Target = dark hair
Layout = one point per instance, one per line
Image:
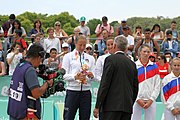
(169, 32)
(164, 58)
(173, 22)
(147, 30)
(18, 32)
(14, 45)
(53, 49)
(18, 22)
(12, 16)
(138, 27)
(35, 51)
(37, 22)
(104, 18)
(155, 26)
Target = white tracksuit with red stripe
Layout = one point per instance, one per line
(149, 88)
(170, 94)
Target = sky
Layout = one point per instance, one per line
(115, 10)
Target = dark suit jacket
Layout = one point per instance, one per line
(119, 84)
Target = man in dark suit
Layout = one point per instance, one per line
(119, 84)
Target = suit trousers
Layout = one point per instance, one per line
(149, 113)
(77, 100)
(115, 115)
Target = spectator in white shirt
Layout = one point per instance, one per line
(13, 58)
(51, 42)
(129, 38)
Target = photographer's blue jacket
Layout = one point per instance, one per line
(18, 92)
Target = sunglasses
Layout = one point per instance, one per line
(151, 57)
(159, 58)
(57, 25)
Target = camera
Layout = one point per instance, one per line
(57, 75)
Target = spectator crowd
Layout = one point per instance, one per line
(155, 53)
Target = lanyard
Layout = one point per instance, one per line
(82, 60)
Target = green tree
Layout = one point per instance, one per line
(68, 28)
(92, 25)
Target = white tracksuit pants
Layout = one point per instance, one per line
(169, 116)
(149, 113)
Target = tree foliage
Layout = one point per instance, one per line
(92, 25)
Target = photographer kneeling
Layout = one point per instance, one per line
(25, 91)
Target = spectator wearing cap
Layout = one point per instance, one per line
(148, 41)
(119, 30)
(59, 32)
(65, 50)
(175, 34)
(6, 25)
(101, 27)
(130, 40)
(88, 49)
(152, 57)
(170, 44)
(83, 28)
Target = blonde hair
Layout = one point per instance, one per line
(57, 22)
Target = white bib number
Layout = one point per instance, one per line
(15, 95)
